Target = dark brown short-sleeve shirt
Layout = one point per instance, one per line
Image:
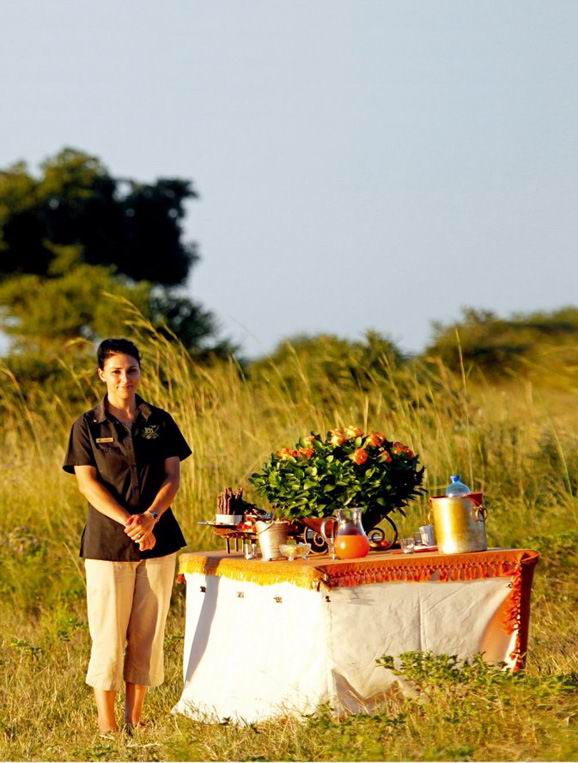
(130, 463)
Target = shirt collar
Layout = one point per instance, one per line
(143, 408)
(101, 413)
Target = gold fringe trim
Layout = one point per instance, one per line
(249, 571)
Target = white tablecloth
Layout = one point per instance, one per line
(255, 651)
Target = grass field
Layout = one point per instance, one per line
(518, 442)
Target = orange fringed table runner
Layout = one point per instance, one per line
(381, 567)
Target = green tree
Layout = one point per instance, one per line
(507, 346)
(327, 362)
(75, 233)
(134, 227)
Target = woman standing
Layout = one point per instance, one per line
(126, 456)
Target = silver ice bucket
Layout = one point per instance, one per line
(271, 535)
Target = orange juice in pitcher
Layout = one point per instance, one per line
(347, 537)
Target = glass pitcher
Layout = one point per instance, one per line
(346, 538)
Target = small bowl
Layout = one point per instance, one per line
(228, 519)
(289, 551)
(292, 551)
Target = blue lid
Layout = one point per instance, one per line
(455, 477)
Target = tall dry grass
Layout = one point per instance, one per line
(516, 442)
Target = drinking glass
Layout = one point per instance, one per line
(304, 550)
(427, 535)
(407, 545)
(249, 550)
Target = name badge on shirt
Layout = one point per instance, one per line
(105, 439)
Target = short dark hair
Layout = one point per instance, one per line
(110, 347)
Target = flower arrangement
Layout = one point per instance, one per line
(346, 468)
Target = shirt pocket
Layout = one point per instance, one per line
(150, 451)
(109, 458)
(107, 447)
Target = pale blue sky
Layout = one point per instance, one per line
(361, 163)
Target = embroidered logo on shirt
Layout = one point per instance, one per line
(151, 432)
(105, 439)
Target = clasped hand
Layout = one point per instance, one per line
(139, 528)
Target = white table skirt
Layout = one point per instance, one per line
(253, 651)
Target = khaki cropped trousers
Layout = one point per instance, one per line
(128, 603)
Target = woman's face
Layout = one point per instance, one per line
(122, 374)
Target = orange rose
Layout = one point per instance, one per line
(399, 449)
(375, 440)
(360, 456)
(385, 457)
(337, 437)
(286, 453)
(307, 452)
(353, 432)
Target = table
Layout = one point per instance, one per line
(270, 638)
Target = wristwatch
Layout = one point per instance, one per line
(154, 514)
